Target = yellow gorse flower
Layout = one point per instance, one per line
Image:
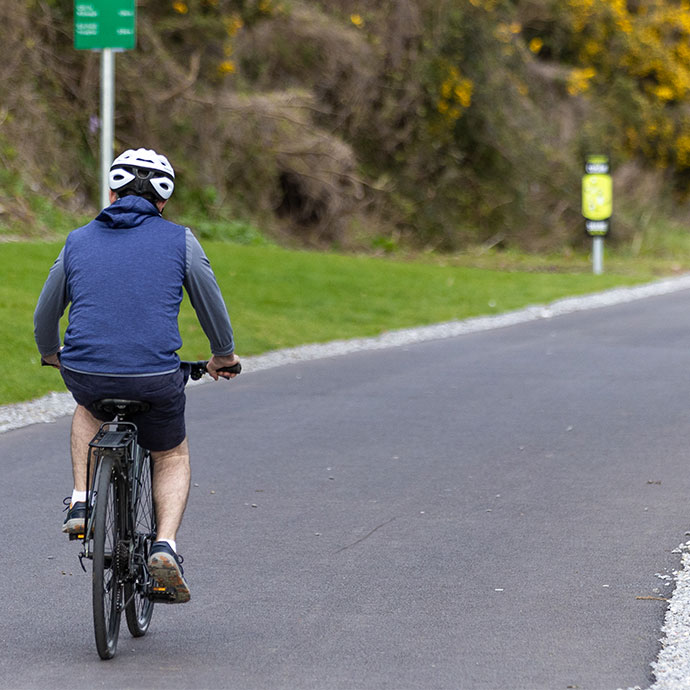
(463, 92)
(536, 44)
(682, 146)
(579, 79)
(456, 94)
(233, 24)
(227, 67)
(648, 45)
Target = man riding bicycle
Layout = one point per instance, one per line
(123, 274)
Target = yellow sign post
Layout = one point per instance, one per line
(597, 205)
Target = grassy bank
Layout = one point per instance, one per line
(280, 298)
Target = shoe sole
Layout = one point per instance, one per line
(75, 526)
(165, 571)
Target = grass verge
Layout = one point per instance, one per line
(282, 298)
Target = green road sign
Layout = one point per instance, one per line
(597, 195)
(101, 24)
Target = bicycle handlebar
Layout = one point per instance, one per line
(198, 369)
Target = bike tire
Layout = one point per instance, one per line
(139, 608)
(105, 578)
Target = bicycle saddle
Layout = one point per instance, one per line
(117, 406)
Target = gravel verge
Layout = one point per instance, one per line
(672, 668)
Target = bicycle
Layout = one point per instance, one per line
(120, 525)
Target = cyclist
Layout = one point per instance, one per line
(123, 275)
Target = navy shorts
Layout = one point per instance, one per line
(162, 427)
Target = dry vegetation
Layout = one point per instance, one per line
(341, 122)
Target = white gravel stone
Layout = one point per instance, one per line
(45, 409)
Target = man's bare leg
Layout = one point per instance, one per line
(171, 479)
(84, 427)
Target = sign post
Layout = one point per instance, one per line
(107, 120)
(597, 205)
(106, 26)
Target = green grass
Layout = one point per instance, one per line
(280, 298)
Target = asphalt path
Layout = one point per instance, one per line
(480, 512)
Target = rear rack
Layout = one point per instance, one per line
(114, 435)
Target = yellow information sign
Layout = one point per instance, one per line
(597, 195)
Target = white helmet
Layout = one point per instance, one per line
(142, 172)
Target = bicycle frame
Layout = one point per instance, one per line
(119, 436)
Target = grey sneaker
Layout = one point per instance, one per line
(165, 567)
(75, 521)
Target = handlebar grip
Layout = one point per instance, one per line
(198, 369)
(234, 369)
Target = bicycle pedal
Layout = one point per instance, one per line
(76, 537)
(162, 595)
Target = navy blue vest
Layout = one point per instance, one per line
(125, 272)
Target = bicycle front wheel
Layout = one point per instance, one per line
(105, 584)
(139, 607)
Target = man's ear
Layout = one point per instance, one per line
(112, 196)
(160, 205)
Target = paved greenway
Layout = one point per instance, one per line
(488, 511)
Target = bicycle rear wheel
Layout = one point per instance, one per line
(105, 578)
(139, 608)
